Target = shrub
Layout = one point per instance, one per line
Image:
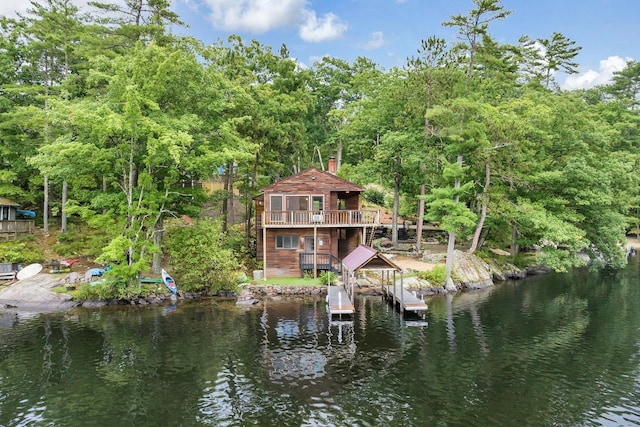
(102, 290)
(199, 259)
(325, 276)
(80, 241)
(436, 276)
(374, 196)
(25, 251)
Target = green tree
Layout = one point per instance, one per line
(543, 58)
(626, 85)
(200, 260)
(471, 29)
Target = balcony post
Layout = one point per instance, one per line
(315, 251)
(264, 251)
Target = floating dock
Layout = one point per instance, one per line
(338, 301)
(407, 301)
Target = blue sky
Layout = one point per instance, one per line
(390, 31)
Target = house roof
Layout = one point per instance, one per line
(6, 202)
(310, 175)
(365, 257)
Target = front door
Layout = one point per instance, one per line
(309, 244)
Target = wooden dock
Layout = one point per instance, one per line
(338, 301)
(407, 301)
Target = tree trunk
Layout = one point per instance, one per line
(396, 206)
(420, 218)
(423, 191)
(514, 235)
(131, 181)
(104, 190)
(225, 201)
(247, 232)
(63, 218)
(230, 208)
(339, 154)
(45, 208)
(452, 236)
(158, 233)
(483, 212)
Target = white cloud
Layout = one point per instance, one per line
(260, 16)
(256, 16)
(315, 30)
(375, 42)
(9, 8)
(591, 78)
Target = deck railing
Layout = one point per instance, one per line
(321, 218)
(326, 262)
(13, 229)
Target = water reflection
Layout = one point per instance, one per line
(553, 350)
(300, 340)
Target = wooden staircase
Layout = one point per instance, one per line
(371, 236)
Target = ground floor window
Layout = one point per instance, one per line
(286, 241)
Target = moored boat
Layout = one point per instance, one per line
(29, 214)
(169, 282)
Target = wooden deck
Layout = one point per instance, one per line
(338, 301)
(404, 299)
(10, 230)
(320, 219)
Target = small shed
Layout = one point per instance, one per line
(8, 209)
(11, 225)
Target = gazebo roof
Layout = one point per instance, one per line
(365, 257)
(6, 202)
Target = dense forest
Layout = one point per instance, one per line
(108, 118)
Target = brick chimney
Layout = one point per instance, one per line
(332, 166)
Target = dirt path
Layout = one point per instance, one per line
(410, 263)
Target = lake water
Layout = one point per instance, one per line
(559, 350)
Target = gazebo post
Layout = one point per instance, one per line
(401, 291)
(395, 291)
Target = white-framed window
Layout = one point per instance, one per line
(287, 241)
(297, 203)
(317, 203)
(276, 208)
(276, 202)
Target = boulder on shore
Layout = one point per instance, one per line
(471, 272)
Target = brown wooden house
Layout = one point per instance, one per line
(309, 221)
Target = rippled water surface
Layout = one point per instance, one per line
(551, 350)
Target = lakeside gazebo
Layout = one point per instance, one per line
(366, 258)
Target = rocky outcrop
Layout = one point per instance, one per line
(470, 272)
(35, 294)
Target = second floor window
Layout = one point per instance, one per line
(297, 203)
